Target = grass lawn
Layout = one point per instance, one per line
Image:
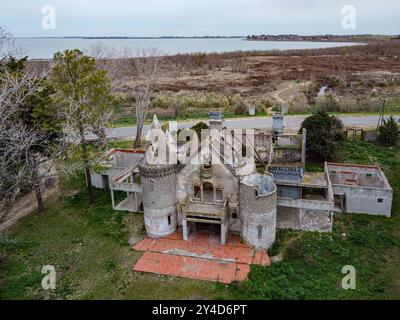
(88, 247)
(312, 264)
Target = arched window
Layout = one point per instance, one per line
(196, 193)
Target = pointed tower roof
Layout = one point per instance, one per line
(156, 124)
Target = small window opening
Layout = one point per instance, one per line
(380, 200)
(169, 219)
(234, 214)
(259, 231)
(219, 195)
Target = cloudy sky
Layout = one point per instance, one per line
(200, 17)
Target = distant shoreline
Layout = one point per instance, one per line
(136, 38)
(269, 38)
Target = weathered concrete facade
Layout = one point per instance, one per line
(360, 189)
(236, 198)
(258, 204)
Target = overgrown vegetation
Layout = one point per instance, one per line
(88, 247)
(389, 132)
(312, 264)
(324, 135)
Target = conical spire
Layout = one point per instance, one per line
(156, 124)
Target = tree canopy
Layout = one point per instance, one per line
(83, 92)
(389, 132)
(324, 135)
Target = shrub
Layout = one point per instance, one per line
(324, 135)
(389, 132)
(198, 127)
(299, 104)
(264, 104)
(328, 103)
(162, 102)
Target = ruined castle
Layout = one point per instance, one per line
(276, 192)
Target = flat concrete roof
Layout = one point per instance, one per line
(351, 173)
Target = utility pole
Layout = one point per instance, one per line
(382, 113)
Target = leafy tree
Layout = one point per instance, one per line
(324, 135)
(84, 94)
(389, 132)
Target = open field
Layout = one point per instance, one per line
(89, 248)
(190, 85)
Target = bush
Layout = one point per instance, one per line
(299, 104)
(389, 132)
(162, 102)
(209, 101)
(324, 135)
(264, 104)
(328, 103)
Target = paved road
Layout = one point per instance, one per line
(291, 123)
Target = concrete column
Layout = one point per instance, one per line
(185, 229)
(112, 198)
(224, 232)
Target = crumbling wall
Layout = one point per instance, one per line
(304, 219)
(221, 178)
(366, 200)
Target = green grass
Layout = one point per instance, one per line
(312, 264)
(88, 247)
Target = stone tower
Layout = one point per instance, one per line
(278, 127)
(159, 198)
(258, 201)
(216, 120)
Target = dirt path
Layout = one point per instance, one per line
(25, 206)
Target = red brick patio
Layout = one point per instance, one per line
(202, 257)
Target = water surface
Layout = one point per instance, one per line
(44, 48)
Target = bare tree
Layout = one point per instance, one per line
(8, 47)
(15, 138)
(116, 62)
(147, 72)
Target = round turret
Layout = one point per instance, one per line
(159, 198)
(277, 125)
(258, 203)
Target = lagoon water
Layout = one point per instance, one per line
(44, 48)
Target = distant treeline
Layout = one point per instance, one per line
(327, 37)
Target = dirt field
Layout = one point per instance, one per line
(295, 76)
